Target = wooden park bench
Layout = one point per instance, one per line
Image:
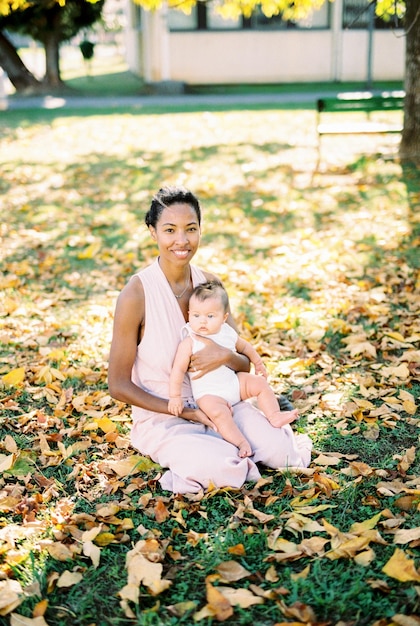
(363, 102)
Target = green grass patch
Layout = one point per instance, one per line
(321, 268)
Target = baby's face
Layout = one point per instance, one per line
(206, 317)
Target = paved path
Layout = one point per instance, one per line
(139, 102)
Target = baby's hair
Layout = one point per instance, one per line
(212, 289)
(166, 197)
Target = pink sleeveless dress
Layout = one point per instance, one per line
(195, 456)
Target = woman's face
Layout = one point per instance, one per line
(177, 233)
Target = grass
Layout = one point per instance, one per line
(321, 267)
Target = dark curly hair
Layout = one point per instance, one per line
(165, 197)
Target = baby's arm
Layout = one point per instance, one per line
(179, 368)
(244, 347)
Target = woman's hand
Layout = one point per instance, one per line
(208, 358)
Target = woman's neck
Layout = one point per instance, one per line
(175, 275)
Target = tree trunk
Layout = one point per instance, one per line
(19, 75)
(410, 141)
(52, 61)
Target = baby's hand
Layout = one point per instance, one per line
(175, 405)
(260, 369)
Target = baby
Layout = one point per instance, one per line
(217, 391)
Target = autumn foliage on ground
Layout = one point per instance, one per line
(320, 263)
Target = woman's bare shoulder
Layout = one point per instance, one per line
(131, 299)
(133, 290)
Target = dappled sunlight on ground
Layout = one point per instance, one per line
(321, 264)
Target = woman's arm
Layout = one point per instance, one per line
(179, 368)
(128, 326)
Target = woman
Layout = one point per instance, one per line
(151, 310)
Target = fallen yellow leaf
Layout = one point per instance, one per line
(131, 465)
(14, 377)
(106, 425)
(359, 528)
(401, 567)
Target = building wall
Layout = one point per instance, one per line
(388, 55)
(250, 56)
(262, 56)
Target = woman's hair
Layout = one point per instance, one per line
(212, 289)
(165, 197)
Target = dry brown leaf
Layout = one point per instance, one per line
(238, 550)
(11, 595)
(407, 460)
(93, 552)
(365, 558)
(59, 551)
(322, 459)
(40, 608)
(405, 503)
(240, 597)
(406, 620)
(20, 620)
(141, 570)
(313, 546)
(161, 511)
(6, 462)
(398, 372)
(68, 579)
(300, 611)
(271, 574)
(219, 606)
(405, 536)
(231, 571)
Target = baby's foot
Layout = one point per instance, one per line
(281, 418)
(244, 449)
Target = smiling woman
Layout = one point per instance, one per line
(150, 313)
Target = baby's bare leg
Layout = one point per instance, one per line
(252, 386)
(220, 413)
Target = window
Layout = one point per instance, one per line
(177, 20)
(136, 16)
(205, 17)
(357, 14)
(216, 22)
(316, 19)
